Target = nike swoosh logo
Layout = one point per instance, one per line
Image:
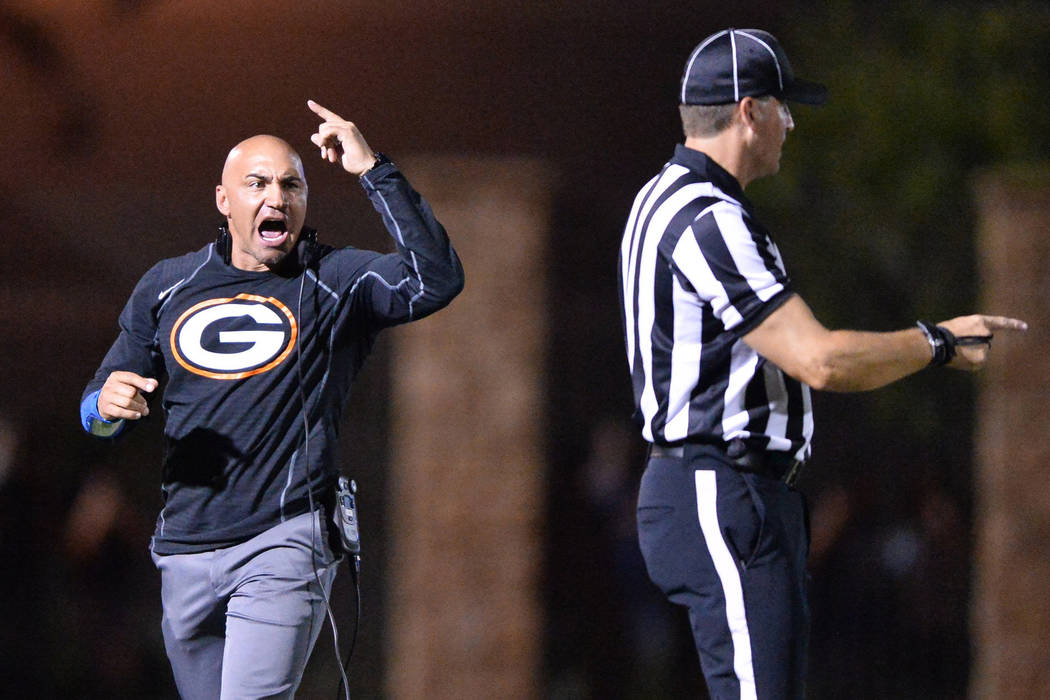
(169, 290)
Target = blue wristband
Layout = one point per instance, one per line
(93, 422)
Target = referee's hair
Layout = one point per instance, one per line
(704, 121)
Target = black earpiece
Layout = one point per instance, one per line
(223, 244)
(310, 250)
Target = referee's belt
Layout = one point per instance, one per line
(777, 465)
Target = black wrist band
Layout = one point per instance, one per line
(381, 158)
(942, 342)
(973, 340)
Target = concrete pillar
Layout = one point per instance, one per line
(468, 435)
(1011, 613)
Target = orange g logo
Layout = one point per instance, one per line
(235, 337)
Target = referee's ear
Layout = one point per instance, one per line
(747, 112)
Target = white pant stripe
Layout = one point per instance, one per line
(729, 575)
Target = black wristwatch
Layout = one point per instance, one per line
(380, 160)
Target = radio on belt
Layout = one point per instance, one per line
(346, 515)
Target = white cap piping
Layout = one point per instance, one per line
(692, 59)
(767, 47)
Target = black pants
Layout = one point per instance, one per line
(731, 547)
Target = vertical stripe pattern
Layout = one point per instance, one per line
(697, 272)
(729, 575)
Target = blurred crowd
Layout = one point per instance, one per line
(79, 597)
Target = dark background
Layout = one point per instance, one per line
(119, 114)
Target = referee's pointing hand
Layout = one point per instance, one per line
(973, 357)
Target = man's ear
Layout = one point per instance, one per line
(221, 203)
(747, 111)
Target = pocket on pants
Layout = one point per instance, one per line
(650, 515)
(743, 513)
(655, 525)
(659, 539)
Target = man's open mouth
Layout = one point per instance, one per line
(273, 230)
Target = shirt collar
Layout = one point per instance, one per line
(703, 165)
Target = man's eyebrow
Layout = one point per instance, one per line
(265, 175)
(288, 177)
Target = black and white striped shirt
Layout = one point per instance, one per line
(697, 273)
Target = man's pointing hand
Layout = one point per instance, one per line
(341, 141)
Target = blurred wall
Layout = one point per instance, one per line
(1011, 615)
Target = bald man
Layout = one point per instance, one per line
(260, 335)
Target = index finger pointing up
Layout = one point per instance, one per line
(323, 112)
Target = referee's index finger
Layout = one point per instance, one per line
(998, 323)
(323, 112)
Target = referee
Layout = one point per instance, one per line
(723, 354)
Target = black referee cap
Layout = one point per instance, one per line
(736, 63)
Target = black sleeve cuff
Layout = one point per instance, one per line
(774, 303)
(383, 167)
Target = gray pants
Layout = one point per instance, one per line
(240, 622)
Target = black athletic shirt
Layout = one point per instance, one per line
(229, 342)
